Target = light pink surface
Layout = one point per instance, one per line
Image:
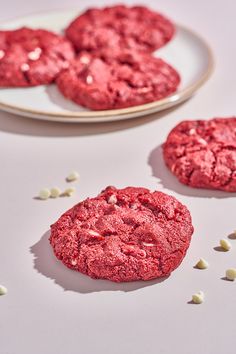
(97, 317)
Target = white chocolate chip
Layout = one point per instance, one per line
(3, 290)
(144, 89)
(148, 244)
(202, 264)
(44, 194)
(225, 244)
(24, 67)
(93, 233)
(69, 192)
(198, 298)
(89, 79)
(55, 192)
(35, 54)
(112, 199)
(230, 274)
(192, 131)
(73, 176)
(2, 54)
(202, 141)
(84, 60)
(74, 262)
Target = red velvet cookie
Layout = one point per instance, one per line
(123, 235)
(120, 27)
(202, 153)
(129, 80)
(31, 57)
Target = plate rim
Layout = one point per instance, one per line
(122, 112)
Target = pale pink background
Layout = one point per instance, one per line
(52, 310)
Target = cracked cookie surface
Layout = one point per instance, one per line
(129, 80)
(120, 27)
(123, 235)
(202, 153)
(31, 57)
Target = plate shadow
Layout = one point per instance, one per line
(27, 126)
(47, 264)
(169, 181)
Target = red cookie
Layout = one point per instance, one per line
(120, 27)
(31, 57)
(202, 153)
(129, 80)
(123, 235)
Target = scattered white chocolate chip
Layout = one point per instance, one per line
(198, 298)
(148, 244)
(84, 60)
(225, 244)
(112, 199)
(73, 176)
(2, 54)
(24, 67)
(3, 290)
(69, 192)
(44, 194)
(202, 264)
(35, 54)
(55, 192)
(230, 274)
(89, 79)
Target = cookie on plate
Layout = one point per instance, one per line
(129, 80)
(202, 153)
(30, 57)
(123, 235)
(120, 27)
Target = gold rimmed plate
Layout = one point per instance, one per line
(187, 52)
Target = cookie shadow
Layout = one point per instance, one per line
(47, 264)
(169, 181)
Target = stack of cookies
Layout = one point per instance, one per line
(104, 61)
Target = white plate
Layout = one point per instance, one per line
(187, 52)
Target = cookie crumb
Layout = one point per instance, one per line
(3, 290)
(44, 194)
(198, 298)
(225, 244)
(73, 176)
(230, 274)
(55, 192)
(202, 264)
